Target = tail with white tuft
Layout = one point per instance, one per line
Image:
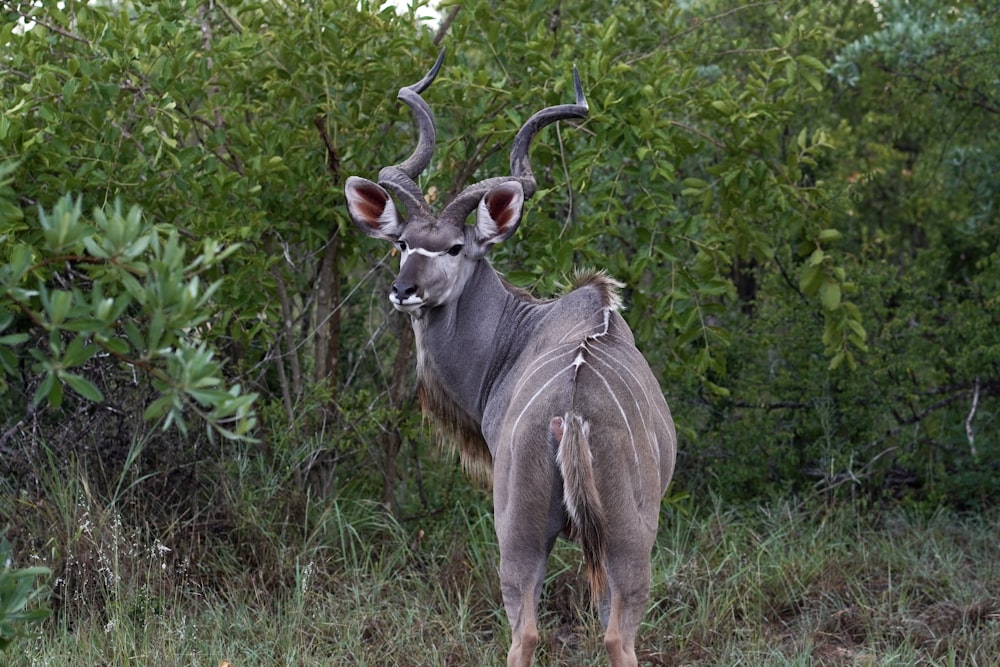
(580, 497)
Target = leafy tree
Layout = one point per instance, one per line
(119, 288)
(768, 179)
(692, 167)
(229, 137)
(909, 220)
(917, 88)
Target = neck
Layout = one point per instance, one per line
(465, 345)
(464, 350)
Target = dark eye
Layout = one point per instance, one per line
(455, 249)
(402, 245)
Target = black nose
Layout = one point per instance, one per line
(403, 290)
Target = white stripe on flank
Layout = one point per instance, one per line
(541, 390)
(598, 330)
(614, 365)
(582, 347)
(621, 409)
(540, 362)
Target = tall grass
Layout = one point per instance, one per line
(257, 570)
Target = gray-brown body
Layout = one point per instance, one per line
(552, 397)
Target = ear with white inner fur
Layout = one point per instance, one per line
(372, 210)
(499, 213)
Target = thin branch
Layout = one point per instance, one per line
(287, 328)
(972, 413)
(712, 140)
(229, 17)
(45, 24)
(776, 405)
(16, 72)
(469, 167)
(958, 91)
(569, 184)
(6, 451)
(332, 158)
(445, 24)
(789, 280)
(697, 26)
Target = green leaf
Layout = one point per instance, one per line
(78, 352)
(812, 80)
(83, 386)
(58, 306)
(116, 345)
(8, 360)
(157, 408)
(43, 389)
(817, 257)
(14, 339)
(858, 329)
(811, 279)
(718, 390)
(20, 259)
(811, 61)
(829, 294)
(694, 183)
(724, 107)
(836, 361)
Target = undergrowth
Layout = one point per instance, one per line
(254, 568)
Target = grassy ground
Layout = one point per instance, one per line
(301, 582)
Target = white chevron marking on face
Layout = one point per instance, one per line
(424, 252)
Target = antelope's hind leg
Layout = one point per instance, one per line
(524, 552)
(526, 536)
(521, 584)
(629, 581)
(529, 516)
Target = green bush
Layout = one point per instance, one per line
(19, 596)
(119, 287)
(801, 205)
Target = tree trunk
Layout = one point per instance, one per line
(392, 439)
(327, 329)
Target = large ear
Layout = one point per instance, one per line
(499, 213)
(372, 210)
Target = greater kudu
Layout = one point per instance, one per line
(552, 395)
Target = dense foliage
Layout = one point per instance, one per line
(799, 196)
(197, 356)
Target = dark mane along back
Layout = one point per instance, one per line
(608, 287)
(599, 280)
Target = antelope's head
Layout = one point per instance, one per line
(439, 251)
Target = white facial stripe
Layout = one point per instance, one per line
(425, 252)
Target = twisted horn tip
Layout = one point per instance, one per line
(424, 83)
(581, 100)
